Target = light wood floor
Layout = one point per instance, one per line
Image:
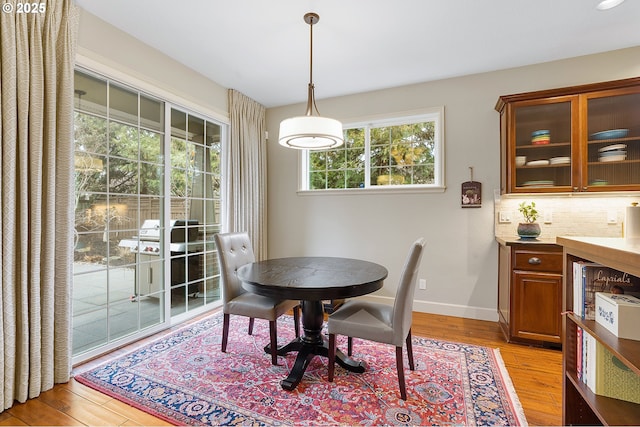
(536, 374)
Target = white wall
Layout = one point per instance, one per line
(102, 46)
(460, 263)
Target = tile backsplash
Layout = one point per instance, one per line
(569, 214)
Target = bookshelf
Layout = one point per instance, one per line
(579, 404)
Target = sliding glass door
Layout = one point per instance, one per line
(147, 206)
(195, 161)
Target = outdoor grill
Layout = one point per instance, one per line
(148, 239)
(146, 246)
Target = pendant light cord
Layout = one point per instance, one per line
(311, 98)
(311, 51)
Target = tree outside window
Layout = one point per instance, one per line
(401, 153)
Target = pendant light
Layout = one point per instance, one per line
(311, 132)
(608, 4)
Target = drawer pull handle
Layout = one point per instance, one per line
(535, 261)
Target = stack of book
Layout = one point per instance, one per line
(589, 278)
(603, 373)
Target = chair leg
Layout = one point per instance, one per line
(400, 364)
(274, 341)
(250, 325)
(410, 352)
(331, 356)
(296, 320)
(225, 331)
(349, 346)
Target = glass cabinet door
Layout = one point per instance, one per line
(613, 140)
(543, 133)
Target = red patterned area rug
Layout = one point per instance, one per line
(185, 379)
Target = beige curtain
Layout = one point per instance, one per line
(246, 184)
(37, 54)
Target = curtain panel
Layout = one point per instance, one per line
(37, 55)
(246, 171)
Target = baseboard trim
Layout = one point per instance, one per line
(477, 313)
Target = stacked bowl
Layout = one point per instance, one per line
(563, 160)
(540, 137)
(612, 153)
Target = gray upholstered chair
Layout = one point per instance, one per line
(384, 323)
(234, 251)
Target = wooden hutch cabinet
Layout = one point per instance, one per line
(580, 138)
(530, 292)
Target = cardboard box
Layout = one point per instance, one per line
(619, 313)
(613, 378)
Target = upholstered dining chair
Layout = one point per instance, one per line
(384, 323)
(234, 251)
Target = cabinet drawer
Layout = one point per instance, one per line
(538, 261)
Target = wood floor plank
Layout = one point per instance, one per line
(35, 412)
(76, 406)
(6, 419)
(86, 392)
(135, 416)
(12, 421)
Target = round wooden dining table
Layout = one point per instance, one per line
(312, 280)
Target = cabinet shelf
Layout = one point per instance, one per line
(613, 412)
(542, 146)
(617, 162)
(615, 140)
(568, 165)
(563, 165)
(628, 351)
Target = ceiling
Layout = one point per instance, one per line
(261, 47)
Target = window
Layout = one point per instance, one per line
(403, 152)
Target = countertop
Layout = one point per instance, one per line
(616, 252)
(515, 240)
(615, 243)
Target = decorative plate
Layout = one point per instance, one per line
(538, 163)
(610, 134)
(539, 133)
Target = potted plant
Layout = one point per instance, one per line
(529, 229)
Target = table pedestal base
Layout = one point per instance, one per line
(312, 344)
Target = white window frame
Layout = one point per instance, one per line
(435, 114)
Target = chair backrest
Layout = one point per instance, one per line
(234, 251)
(403, 304)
